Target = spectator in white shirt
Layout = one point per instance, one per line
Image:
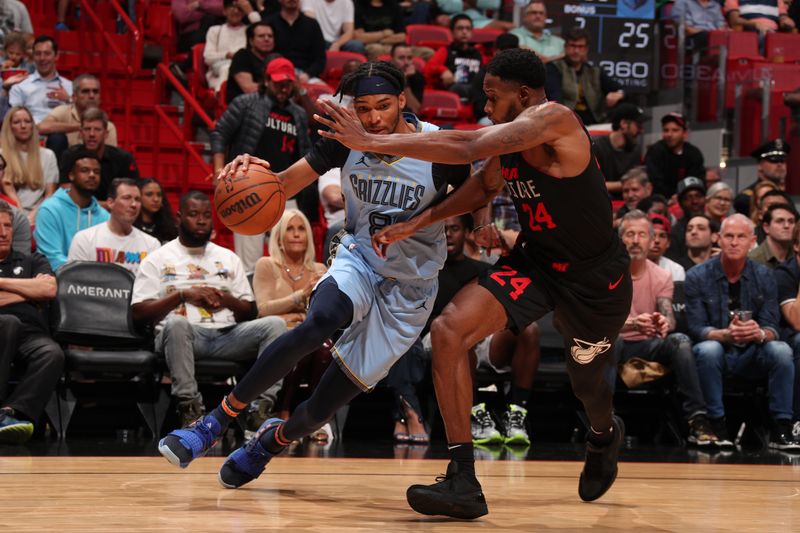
(336, 19)
(116, 240)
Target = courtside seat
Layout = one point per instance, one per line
(92, 319)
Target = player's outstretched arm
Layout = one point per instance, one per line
(295, 178)
(535, 126)
(475, 193)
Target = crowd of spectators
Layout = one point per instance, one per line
(81, 197)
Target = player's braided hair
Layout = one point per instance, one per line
(384, 69)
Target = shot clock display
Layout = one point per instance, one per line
(623, 34)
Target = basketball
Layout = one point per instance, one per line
(252, 202)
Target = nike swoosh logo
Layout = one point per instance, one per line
(612, 286)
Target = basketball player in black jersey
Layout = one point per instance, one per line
(568, 259)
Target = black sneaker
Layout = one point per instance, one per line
(600, 466)
(720, 427)
(781, 438)
(455, 494)
(700, 431)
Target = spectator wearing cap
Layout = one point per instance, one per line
(771, 159)
(778, 224)
(718, 201)
(701, 238)
(660, 244)
(763, 16)
(534, 35)
(268, 125)
(673, 158)
(579, 85)
(299, 38)
(620, 151)
(692, 201)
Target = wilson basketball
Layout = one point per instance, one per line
(250, 203)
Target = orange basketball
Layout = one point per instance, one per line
(250, 203)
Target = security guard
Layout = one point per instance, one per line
(771, 158)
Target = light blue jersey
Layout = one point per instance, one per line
(382, 190)
(393, 297)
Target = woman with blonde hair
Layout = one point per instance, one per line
(31, 171)
(282, 284)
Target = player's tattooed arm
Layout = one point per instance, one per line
(534, 126)
(664, 306)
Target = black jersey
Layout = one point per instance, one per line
(566, 222)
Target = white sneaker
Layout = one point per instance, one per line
(483, 429)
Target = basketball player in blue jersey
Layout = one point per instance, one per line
(568, 259)
(380, 304)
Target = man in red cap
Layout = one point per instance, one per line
(265, 123)
(660, 244)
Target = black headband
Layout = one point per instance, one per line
(375, 85)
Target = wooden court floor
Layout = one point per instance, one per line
(146, 494)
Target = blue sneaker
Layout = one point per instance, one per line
(61, 26)
(246, 463)
(12, 430)
(182, 446)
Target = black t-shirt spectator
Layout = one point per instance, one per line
(614, 163)
(301, 43)
(279, 140)
(20, 266)
(244, 61)
(115, 163)
(464, 63)
(371, 18)
(787, 277)
(665, 168)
